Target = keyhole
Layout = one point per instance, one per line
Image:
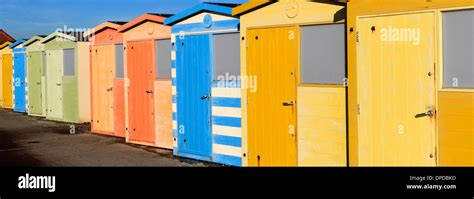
(373, 28)
(256, 37)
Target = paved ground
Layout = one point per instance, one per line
(31, 141)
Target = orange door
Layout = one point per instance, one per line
(141, 75)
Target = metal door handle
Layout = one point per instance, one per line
(429, 113)
(109, 89)
(205, 97)
(288, 103)
(58, 84)
(38, 83)
(149, 91)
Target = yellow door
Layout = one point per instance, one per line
(7, 80)
(396, 90)
(103, 59)
(1, 81)
(271, 62)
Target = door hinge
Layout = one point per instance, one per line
(358, 109)
(357, 36)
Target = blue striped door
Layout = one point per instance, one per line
(19, 82)
(193, 76)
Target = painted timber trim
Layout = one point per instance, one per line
(142, 19)
(17, 43)
(203, 7)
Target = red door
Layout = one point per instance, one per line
(141, 75)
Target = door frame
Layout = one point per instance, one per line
(434, 83)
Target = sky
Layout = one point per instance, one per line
(23, 19)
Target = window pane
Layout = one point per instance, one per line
(226, 55)
(69, 62)
(323, 54)
(163, 59)
(119, 71)
(458, 48)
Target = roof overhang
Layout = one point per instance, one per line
(142, 19)
(202, 7)
(257, 4)
(103, 26)
(33, 40)
(5, 44)
(58, 34)
(17, 43)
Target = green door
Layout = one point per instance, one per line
(54, 72)
(34, 83)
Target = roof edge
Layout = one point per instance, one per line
(139, 20)
(17, 43)
(32, 40)
(5, 44)
(257, 4)
(210, 7)
(101, 27)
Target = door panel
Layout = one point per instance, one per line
(19, 82)
(396, 82)
(119, 108)
(141, 75)
(34, 83)
(103, 60)
(54, 90)
(272, 60)
(7, 80)
(193, 91)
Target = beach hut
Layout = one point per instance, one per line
(293, 102)
(19, 76)
(147, 81)
(411, 82)
(107, 82)
(5, 39)
(206, 84)
(7, 75)
(67, 77)
(36, 78)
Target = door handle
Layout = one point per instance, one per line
(58, 84)
(288, 103)
(38, 83)
(205, 97)
(149, 91)
(111, 88)
(429, 113)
